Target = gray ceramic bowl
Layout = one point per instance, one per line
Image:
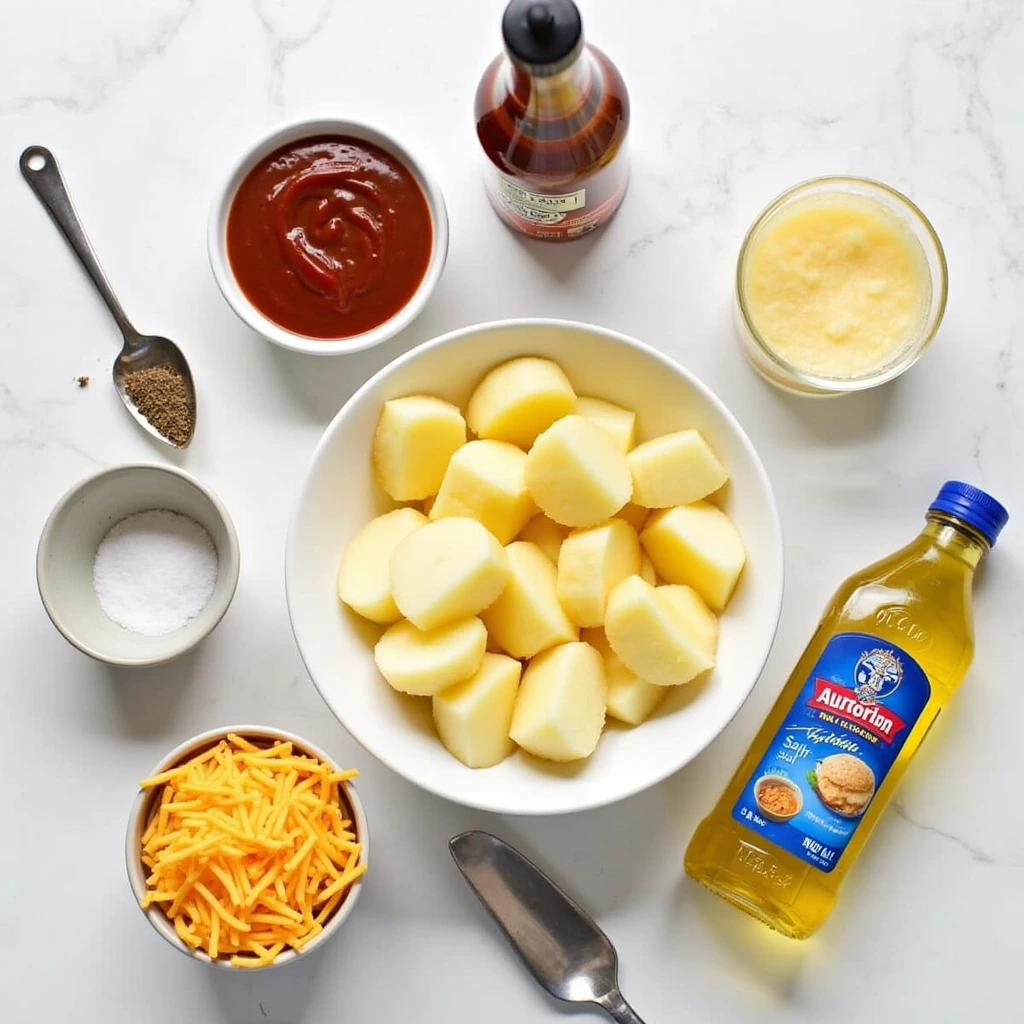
(140, 814)
(67, 549)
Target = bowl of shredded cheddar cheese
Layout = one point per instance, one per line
(246, 847)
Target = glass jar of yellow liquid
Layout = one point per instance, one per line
(840, 286)
(890, 650)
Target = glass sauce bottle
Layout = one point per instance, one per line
(552, 115)
(890, 650)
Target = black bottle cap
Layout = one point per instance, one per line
(544, 36)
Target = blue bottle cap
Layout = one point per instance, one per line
(973, 506)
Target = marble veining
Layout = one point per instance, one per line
(976, 854)
(96, 85)
(288, 26)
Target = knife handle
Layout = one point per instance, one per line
(619, 1010)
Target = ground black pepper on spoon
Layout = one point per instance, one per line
(150, 372)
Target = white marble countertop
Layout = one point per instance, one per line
(145, 104)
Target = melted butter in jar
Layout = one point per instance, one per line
(840, 286)
(837, 286)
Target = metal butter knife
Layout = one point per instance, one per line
(561, 946)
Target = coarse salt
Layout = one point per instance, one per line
(155, 571)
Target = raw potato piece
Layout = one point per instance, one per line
(485, 481)
(696, 545)
(415, 438)
(647, 573)
(559, 713)
(364, 579)
(473, 717)
(618, 422)
(702, 621)
(635, 515)
(661, 637)
(446, 571)
(674, 469)
(630, 698)
(592, 562)
(576, 474)
(546, 534)
(527, 618)
(519, 399)
(424, 663)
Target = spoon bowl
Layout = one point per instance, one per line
(148, 351)
(140, 351)
(557, 941)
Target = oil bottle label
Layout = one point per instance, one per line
(837, 743)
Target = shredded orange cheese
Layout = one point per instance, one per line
(248, 850)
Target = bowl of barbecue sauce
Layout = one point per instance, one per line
(328, 236)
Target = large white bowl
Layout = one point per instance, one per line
(340, 495)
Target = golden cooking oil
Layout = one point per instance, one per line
(891, 648)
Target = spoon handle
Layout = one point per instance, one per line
(39, 168)
(619, 1010)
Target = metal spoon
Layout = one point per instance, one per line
(140, 351)
(561, 946)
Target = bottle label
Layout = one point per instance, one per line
(837, 743)
(538, 208)
(560, 215)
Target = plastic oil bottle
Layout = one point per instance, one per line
(891, 648)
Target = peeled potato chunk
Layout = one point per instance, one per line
(519, 399)
(446, 571)
(696, 545)
(527, 617)
(415, 438)
(486, 481)
(559, 713)
(657, 636)
(590, 563)
(426, 662)
(702, 621)
(647, 572)
(618, 422)
(364, 579)
(576, 474)
(630, 698)
(473, 717)
(635, 515)
(674, 469)
(546, 534)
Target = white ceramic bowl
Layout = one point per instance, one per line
(340, 495)
(216, 239)
(140, 815)
(67, 550)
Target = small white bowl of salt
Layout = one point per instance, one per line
(137, 564)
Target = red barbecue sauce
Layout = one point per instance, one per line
(329, 237)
